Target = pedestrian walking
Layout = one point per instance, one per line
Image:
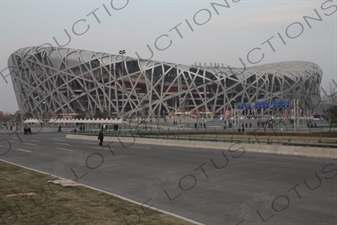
(100, 138)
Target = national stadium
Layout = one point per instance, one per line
(50, 80)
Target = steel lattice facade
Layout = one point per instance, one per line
(53, 80)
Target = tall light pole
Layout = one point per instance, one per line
(296, 115)
(235, 113)
(122, 52)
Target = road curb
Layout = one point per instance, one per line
(312, 152)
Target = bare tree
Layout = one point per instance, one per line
(28, 115)
(331, 115)
(329, 94)
(104, 114)
(17, 116)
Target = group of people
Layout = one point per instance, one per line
(144, 123)
(10, 127)
(196, 125)
(107, 127)
(116, 127)
(243, 125)
(269, 124)
(27, 130)
(311, 125)
(230, 124)
(246, 125)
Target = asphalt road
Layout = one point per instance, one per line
(208, 186)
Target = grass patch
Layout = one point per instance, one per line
(267, 136)
(26, 197)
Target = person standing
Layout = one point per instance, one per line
(100, 138)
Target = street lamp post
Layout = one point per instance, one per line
(235, 114)
(122, 52)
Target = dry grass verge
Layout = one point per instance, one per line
(26, 197)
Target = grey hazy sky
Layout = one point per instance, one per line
(226, 35)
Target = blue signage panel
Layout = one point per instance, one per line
(241, 106)
(276, 104)
(285, 104)
(265, 105)
(258, 105)
(248, 106)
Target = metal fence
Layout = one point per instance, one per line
(217, 136)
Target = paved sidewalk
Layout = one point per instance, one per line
(35, 130)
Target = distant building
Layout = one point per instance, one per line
(54, 80)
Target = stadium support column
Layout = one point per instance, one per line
(298, 114)
(122, 52)
(294, 123)
(235, 114)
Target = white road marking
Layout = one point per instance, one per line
(58, 140)
(65, 149)
(91, 143)
(102, 148)
(22, 150)
(58, 143)
(140, 147)
(30, 144)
